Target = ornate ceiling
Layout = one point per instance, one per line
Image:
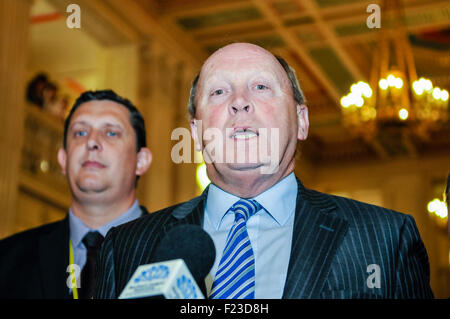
(326, 41)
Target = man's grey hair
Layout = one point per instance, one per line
(299, 98)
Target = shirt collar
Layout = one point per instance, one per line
(78, 228)
(278, 201)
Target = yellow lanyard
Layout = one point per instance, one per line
(73, 278)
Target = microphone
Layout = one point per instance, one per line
(183, 258)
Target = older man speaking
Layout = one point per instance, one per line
(274, 238)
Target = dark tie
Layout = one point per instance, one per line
(93, 242)
(235, 276)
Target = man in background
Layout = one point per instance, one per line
(274, 238)
(104, 153)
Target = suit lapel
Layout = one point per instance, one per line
(317, 234)
(54, 259)
(144, 211)
(191, 212)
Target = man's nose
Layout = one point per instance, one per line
(240, 104)
(94, 143)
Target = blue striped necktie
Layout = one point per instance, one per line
(235, 276)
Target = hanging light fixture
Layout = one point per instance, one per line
(394, 96)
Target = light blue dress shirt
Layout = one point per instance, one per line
(270, 232)
(78, 230)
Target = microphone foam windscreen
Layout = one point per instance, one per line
(190, 243)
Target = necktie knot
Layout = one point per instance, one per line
(245, 208)
(93, 240)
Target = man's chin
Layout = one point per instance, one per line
(245, 169)
(258, 168)
(250, 167)
(91, 187)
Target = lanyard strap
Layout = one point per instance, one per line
(73, 278)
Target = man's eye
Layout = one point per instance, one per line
(80, 133)
(218, 92)
(111, 134)
(261, 87)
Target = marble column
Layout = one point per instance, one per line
(14, 30)
(156, 98)
(185, 187)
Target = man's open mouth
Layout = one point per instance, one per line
(244, 133)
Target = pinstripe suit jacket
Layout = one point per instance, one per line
(334, 241)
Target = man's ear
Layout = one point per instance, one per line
(195, 131)
(303, 122)
(144, 159)
(62, 160)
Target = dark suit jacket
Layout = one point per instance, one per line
(33, 263)
(334, 241)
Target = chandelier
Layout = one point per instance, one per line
(394, 97)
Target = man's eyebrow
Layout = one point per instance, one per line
(214, 77)
(105, 124)
(266, 74)
(114, 125)
(77, 123)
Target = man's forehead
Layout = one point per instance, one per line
(103, 110)
(238, 52)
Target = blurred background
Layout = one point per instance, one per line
(376, 83)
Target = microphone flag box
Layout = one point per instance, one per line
(168, 279)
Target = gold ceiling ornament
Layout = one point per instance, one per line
(395, 97)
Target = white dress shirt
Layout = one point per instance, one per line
(270, 232)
